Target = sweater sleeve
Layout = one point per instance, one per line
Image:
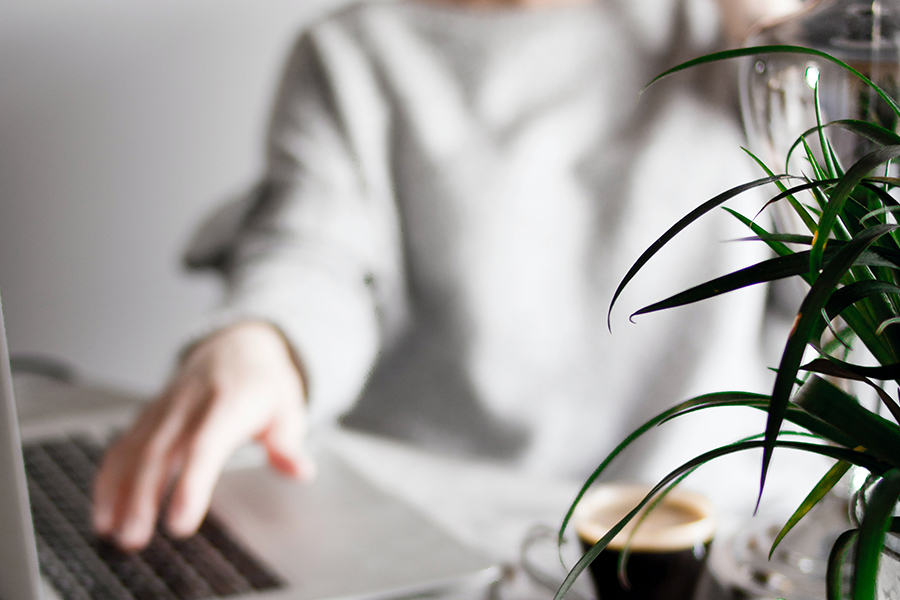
(314, 248)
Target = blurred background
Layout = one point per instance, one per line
(121, 125)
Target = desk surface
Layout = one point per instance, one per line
(487, 506)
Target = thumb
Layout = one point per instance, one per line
(283, 441)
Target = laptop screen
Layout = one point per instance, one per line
(19, 578)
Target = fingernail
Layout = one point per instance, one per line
(308, 469)
(178, 522)
(132, 536)
(102, 520)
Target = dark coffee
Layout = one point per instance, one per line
(652, 575)
(668, 552)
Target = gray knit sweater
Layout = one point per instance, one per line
(451, 197)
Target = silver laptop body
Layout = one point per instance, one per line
(338, 538)
(19, 578)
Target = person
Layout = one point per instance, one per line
(453, 189)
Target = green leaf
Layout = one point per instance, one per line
(647, 426)
(818, 171)
(876, 520)
(891, 371)
(840, 551)
(852, 293)
(781, 238)
(810, 185)
(798, 208)
(699, 402)
(777, 245)
(881, 211)
(773, 269)
(803, 328)
(774, 49)
(794, 415)
(895, 525)
(876, 256)
(703, 402)
(883, 195)
(838, 368)
(818, 492)
(871, 131)
(831, 404)
(890, 181)
(626, 549)
(886, 323)
(830, 160)
(839, 196)
(769, 270)
(678, 227)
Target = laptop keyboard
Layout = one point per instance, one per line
(80, 566)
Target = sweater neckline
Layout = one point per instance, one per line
(489, 16)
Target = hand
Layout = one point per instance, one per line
(240, 383)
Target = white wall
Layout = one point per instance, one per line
(121, 124)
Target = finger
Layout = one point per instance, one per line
(130, 486)
(293, 463)
(116, 514)
(136, 519)
(141, 496)
(205, 456)
(283, 441)
(106, 491)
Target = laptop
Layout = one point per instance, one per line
(266, 537)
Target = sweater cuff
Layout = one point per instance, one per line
(330, 326)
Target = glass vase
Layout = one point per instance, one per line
(778, 91)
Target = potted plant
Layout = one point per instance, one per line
(849, 255)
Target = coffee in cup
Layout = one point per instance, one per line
(667, 553)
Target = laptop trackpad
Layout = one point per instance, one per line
(340, 536)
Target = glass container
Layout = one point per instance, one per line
(778, 90)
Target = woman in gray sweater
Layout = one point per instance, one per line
(453, 189)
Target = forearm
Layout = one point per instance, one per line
(327, 319)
